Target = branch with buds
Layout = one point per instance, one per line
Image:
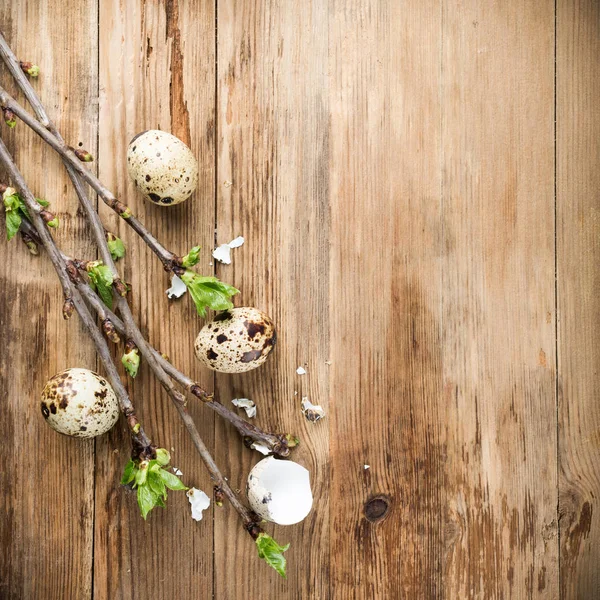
(102, 288)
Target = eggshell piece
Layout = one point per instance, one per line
(79, 403)
(236, 340)
(162, 167)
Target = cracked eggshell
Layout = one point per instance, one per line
(80, 403)
(279, 491)
(236, 340)
(162, 167)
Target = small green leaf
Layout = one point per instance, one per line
(116, 246)
(147, 499)
(101, 278)
(53, 223)
(171, 481)
(141, 474)
(157, 484)
(131, 362)
(163, 458)
(43, 203)
(129, 473)
(192, 257)
(271, 552)
(13, 222)
(208, 292)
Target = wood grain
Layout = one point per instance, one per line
(578, 257)
(157, 72)
(413, 219)
(272, 188)
(498, 300)
(47, 480)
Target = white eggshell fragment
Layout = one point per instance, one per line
(162, 167)
(199, 501)
(80, 403)
(236, 340)
(279, 491)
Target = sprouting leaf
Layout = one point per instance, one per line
(101, 278)
(13, 222)
(11, 206)
(163, 458)
(157, 484)
(271, 552)
(131, 362)
(147, 499)
(116, 246)
(43, 203)
(171, 481)
(208, 292)
(141, 474)
(129, 473)
(192, 257)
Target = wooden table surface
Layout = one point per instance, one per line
(418, 184)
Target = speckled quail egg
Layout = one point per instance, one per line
(162, 167)
(236, 340)
(80, 403)
(279, 491)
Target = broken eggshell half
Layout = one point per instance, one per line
(162, 167)
(279, 491)
(236, 340)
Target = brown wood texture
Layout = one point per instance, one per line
(578, 253)
(417, 184)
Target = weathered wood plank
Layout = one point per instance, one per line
(157, 72)
(386, 237)
(498, 316)
(272, 188)
(578, 260)
(47, 480)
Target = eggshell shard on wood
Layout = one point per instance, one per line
(162, 167)
(279, 491)
(79, 403)
(236, 340)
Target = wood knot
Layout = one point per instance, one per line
(377, 508)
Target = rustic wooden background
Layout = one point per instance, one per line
(418, 184)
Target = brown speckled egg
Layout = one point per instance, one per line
(162, 167)
(80, 403)
(236, 340)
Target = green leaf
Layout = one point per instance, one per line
(147, 499)
(43, 203)
(131, 362)
(102, 279)
(192, 257)
(157, 484)
(13, 222)
(129, 473)
(141, 474)
(116, 246)
(163, 458)
(208, 292)
(171, 481)
(271, 552)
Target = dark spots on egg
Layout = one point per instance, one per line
(101, 394)
(53, 408)
(254, 329)
(167, 200)
(158, 154)
(148, 178)
(251, 355)
(267, 498)
(211, 354)
(154, 197)
(45, 410)
(221, 338)
(83, 428)
(64, 402)
(223, 316)
(136, 182)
